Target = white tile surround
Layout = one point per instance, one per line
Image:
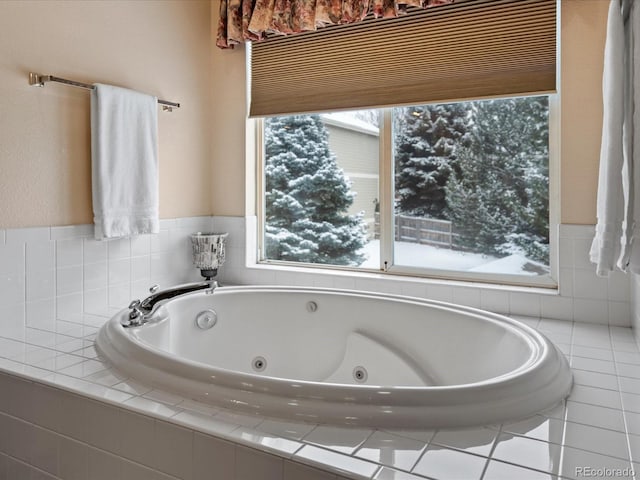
(65, 414)
(52, 272)
(635, 306)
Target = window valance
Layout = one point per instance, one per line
(249, 20)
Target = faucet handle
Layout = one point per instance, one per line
(154, 288)
(135, 314)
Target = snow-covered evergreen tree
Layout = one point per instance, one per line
(425, 143)
(498, 200)
(307, 196)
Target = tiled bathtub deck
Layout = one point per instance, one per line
(595, 434)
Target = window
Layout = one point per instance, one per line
(321, 188)
(453, 190)
(459, 188)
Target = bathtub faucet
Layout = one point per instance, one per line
(140, 312)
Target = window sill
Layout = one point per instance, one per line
(388, 282)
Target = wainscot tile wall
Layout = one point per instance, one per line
(66, 414)
(53, 272)
(635, 306)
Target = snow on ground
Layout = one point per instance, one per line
(427, 256)
(512, 264)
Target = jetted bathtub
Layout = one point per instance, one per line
(342, 357)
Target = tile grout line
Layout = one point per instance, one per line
(565, 413)
(424, 449)
(424, 452)
(624, 412)
(490, 454)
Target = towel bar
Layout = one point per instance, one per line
(38, 80)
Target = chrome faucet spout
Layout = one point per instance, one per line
(142, 311)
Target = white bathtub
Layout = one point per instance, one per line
(359, 359)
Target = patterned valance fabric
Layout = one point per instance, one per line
(250, 20)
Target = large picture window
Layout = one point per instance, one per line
(455, 190)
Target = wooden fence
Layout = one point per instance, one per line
(427, 231)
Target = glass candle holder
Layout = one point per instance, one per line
(208, 252)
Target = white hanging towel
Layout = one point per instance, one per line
(124, 162)
(618, 208)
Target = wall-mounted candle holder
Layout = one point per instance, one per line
(208, 252)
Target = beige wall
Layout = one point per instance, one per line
(156, 46)
(229, 138)
(166, 48)
(583, 36)
(583, 33)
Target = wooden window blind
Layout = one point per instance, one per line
(465, 50)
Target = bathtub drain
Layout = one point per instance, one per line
(206, 319)
(360, 374)
(259, 364)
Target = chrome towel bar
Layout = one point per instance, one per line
(38, 80)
